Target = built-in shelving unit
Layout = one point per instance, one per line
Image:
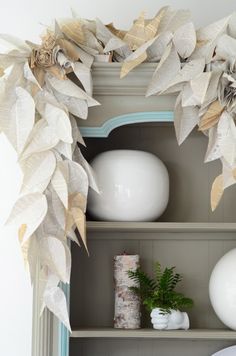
(192, 334)
(188, 235)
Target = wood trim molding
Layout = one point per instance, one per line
(107, 81)
(133, 118)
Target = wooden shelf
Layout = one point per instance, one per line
(192, 334)
(152, 227)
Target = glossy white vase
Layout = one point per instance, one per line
(134, 186)
(222, 289)
(172, 321)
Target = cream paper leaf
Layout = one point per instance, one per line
(54, 222)
(64, 149)
(173, 19)
(113, 44)
(14, 42)
(216, 192)
(213, 150)
(185, 39)
(78, 179)
(156, 50)
(80, 221)
(21, 120)
(83, 73)
(226, 131)
(59, 182)
(28, 74)
(44, 139)
(38, 170)
(55, 300)
(209, 35)
(211, 117)
(77, 137)
(136, 58)
(59, 120)
(188, 72)
(88, 169)
(168, 68)
(226, 49)
(68, 88)
(185, 119)
(136, 36)
(29, 210)
(194, 92)
(211, 93)
(56, 256)
(75, 106)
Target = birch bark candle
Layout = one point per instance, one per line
(127, 304)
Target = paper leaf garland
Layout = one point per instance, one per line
(46, 88)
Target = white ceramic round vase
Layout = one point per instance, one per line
(222, 289)
(172, 321)
(134, 186)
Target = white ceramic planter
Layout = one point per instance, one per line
(173, 321)
(222, 289)
(134, 186)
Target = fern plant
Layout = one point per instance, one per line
(159, 292)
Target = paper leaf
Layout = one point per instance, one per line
(216, 192)
(168, 68)
(29, 210)
(208, 36)
(78, 180)
(195, 91)
(28, 74)
(83, 73)
(77, 137)
(64, 149)
(14, 42)
(80, 221)
(226, 49)
(55, 301)
(59, 182)
(73, 29)
(211, 93)
(226, 132)
(173, 19)
(135, 58)
(75, 106)
(43, 139)
(38, 170)
(213, 149)
(185, 40)
(59, 121)
(21, 119)
(211, 117)
(185, 119)
(56, 256)
(88, 169)
(188, 72)
(136, 36)
(70, 49)
(156, 50)
(68, 88)
(54, 222)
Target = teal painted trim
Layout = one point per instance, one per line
(133, 118)
(64, 336)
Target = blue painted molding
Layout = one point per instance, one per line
(133, 118)
(64, 336)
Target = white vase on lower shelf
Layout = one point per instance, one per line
(169, 321)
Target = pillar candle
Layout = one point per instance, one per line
(127, 304)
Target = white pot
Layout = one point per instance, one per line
(222, 289)
(173, 321)
(134, 186)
